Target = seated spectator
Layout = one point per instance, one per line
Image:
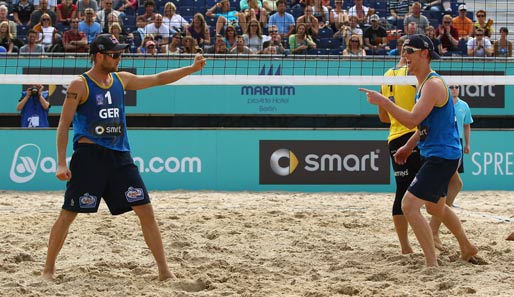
(398, 10)
(102, 15)
(503, 47)
(310, 21)
(375, 38)
(149, 14)
(150, 48)
(412, 29)
(255, 11)
(13, 29)
(35, 17)
(111, 19)
(175, 46)
(50, 4)
(449, 36)
(219, 47)
(199, 31)
(398, 50)
(430, 32)
(139, 34)
(283, 20)
(481, 23)
(47, 32)
(116, 30)
(479, 46)
(22, 11)
(361, 12)
(354, 47)
(230, 37)
(82, 5)
(144, 43)
(173, 20)
(6, 39)
(338, 16)
(241, 48)
(226, 16)
(437, 8)
(89, 26)
(66, 11)
(416, 17)
(270, 50)
(189, 45)
(301, 42)
(73, 40)
(32, 46)
(253, 36)
(344, 33)
(321, 12)
(463, 24)
(276, 40)
(125, 6)
(160, 31)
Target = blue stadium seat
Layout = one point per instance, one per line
(336, 52)
(463, 47)
(186, 11)
(325, 33)
(318, 51)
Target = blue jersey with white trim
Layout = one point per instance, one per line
(439, 136)
(101, 118)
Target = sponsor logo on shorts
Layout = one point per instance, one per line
(323, 162)
(87, 201)
(134, 194)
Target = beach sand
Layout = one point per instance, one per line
(254, 244)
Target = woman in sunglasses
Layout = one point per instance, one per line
(354, 47)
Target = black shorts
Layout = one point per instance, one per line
(431, 182)
(404, 172)
(98, 172)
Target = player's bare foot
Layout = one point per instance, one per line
(510, 237)
(437, 243)
(468, 253)
(407, 250)
(48, 276)
(166, 275)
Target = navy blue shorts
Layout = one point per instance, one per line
(98, 172)
(461, 166)
(431, 181)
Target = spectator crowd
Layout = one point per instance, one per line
(249, 27)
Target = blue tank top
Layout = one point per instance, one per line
(439, 136)
(101, 118)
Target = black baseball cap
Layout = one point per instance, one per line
(422, 42)
(104, 43)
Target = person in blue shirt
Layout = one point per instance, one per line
(89, 26)
(101, 166)
(283, 20)
(226, 17)
(464, 121)
(33, 107)
(438, 141)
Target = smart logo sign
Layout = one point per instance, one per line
(323, 162)
(485, 96)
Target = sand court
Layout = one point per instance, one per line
(254, 244)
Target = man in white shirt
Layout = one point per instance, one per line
(157, 28)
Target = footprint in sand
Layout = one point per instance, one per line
(192, 286)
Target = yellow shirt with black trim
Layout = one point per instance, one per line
(401, 95)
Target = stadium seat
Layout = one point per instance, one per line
(186, 11)
(463, 47)
(325, 33)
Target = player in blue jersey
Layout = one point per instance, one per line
(439, 145)
(101, 165)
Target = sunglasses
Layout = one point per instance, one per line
(354, 40)
(479, 34)
(273, 31)
(446, 22)
(45, 20)
(481, 15)
(410, 50)
(454, 87)
(113, 55)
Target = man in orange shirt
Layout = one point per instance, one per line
(463, 24)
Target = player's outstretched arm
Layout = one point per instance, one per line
(138, 82)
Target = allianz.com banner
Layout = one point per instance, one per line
(255, 160)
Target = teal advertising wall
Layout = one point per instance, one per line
(264, 99)
(234, 160)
